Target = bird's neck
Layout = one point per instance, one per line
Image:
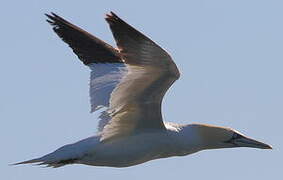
(187, 140)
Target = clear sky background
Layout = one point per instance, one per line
(230, 57)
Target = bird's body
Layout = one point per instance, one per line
(127, 85)
(127, 151)
(133, 150)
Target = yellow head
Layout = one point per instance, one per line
(214, 137)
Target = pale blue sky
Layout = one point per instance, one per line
(230, 57)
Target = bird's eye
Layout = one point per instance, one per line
(236, 136)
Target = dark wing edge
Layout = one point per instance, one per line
(104, 61)
(87, 47)
(134, 47)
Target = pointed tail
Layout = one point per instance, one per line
(37, 160)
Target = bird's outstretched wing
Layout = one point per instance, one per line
(107, 67)
(87, 47)
(129, 83)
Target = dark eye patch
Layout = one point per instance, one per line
(236, 136)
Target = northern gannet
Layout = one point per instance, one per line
(127, 86)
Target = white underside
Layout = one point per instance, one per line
(127, 151)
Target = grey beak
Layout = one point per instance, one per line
(248, 142)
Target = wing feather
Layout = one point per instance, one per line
(87, 47)
(105, 63)
(135, 104)
(129, 83)
(103, 80)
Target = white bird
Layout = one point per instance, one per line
(127, 84)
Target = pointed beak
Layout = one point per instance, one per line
(248, 142)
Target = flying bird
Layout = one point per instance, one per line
(127, 85)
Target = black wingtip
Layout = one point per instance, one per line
(50, 16)
(50, 22)
(111, 17)
(50, 19)
(55, 15)
(55, 19)
(113, 14)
